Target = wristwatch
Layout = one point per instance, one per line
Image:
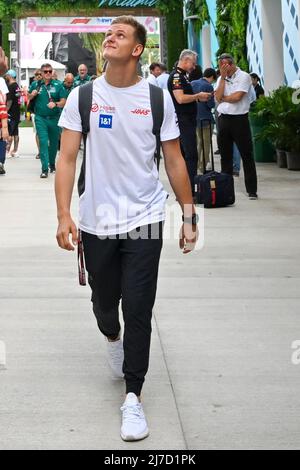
(191, 220)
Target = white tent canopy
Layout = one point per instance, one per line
(28, 66)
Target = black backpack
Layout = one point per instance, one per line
(85, 105)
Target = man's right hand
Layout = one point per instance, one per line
(66, 226)
(33, 93)
(3, 62)
(224, 67)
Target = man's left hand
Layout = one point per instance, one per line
(188, 237)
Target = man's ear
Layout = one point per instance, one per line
(138, 50)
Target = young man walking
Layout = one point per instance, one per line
(122, 206)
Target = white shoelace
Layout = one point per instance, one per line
(132, 413)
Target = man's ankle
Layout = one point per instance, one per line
(113, 339)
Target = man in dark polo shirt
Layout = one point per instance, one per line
(185, 102)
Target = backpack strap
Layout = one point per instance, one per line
(157, 108)
(85, 100)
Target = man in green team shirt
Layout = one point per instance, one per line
(50, 97)
(68, 83)
(82, 76)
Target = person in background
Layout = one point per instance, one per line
(50, 97)
(82, 76)
(4, 135)
(256, 82)
(185, 102)
(3, 110)
(55, 76)
(196, 74)
(236, 153)
(3, 62)
(155, 71)
(37, 76)
(162, 80)
(13, 107)
(205, 117)
(68, 83)
(233, 94)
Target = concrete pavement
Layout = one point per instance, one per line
(221, 375)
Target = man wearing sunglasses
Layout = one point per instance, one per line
(50, 98)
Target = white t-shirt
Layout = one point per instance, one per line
(153, 80)
(122, 189)
(240, 81)
(162, 81)
(3, 86)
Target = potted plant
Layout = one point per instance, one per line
(259, 118)
(292, 126)
(276, 110)
(277, 133)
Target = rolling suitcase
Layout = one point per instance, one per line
(213, 189)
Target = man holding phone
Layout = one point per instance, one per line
(185, 102)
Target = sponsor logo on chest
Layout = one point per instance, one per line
(141, 111)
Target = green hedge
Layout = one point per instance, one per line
(232, 20)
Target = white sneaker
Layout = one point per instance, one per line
(115, 357)
(134, 424)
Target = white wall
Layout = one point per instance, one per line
(271, 17)
(206, 47)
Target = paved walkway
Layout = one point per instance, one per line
(221, 374)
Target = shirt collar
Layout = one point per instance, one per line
(236, 73)
(182, 71)
(50, 83)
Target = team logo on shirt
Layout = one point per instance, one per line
(176, 81)
(141, 112)
(105, 121)
(94, 108)
(103, 108)
(107, 109)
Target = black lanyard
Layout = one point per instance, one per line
(80, 256)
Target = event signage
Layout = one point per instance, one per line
(127, 3)
(81, 25)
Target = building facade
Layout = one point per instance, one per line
(273, 40)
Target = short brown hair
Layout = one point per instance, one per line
(46, 65)
(140, 30)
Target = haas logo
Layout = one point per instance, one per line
(141, 112)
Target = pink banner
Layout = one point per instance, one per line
(79, 25)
